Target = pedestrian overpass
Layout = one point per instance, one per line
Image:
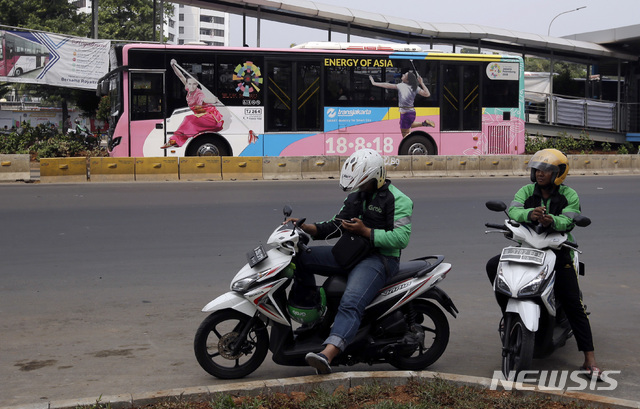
(612, 53)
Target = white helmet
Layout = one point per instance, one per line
(361, 167)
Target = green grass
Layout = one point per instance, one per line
(415, 394)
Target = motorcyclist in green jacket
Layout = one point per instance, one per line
(552, 205)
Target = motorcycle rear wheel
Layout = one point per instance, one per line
(216, 337)
(518, 353)
(436, 329)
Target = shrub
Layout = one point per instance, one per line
(44, 141)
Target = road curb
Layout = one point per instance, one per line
(326, 382)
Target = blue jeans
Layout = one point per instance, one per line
(363, 283)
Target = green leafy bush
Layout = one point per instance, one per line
(44, 141)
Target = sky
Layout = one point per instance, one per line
(531, 16)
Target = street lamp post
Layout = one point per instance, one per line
(564, 12)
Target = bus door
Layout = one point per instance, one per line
(147, 109)
(293, 96)
(460, 107)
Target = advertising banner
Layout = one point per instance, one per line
(50, 59)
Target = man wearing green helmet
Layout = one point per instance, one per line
(552, 205)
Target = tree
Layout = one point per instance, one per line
(56, 16)
(129, 20)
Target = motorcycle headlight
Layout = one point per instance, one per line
(501, 285)
(244, 284)
(534, 286)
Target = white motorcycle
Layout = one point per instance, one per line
(533, 326)
(402, 325)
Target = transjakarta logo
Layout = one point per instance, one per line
(333, 112)
(553, 380)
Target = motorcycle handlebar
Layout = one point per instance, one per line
(496, 226)
(303, 247)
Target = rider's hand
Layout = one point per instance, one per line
(356, 226)
(538, 213)
(546, 220)
(307, 228)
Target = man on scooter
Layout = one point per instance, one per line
(552, 205)
(381, 213)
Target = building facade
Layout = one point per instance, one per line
(191, 25)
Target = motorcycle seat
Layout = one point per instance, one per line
(415, 268)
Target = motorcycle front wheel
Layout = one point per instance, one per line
(435, 326)
(219, 349)
(517, 348)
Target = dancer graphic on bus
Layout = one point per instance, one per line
(205, 117)
(410, 86)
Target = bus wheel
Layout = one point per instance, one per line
(18, 72)
(417, 145)
(207, 146)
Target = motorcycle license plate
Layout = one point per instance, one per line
(256, 256)
(522, 255)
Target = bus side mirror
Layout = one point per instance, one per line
(103, 89)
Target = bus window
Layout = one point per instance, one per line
(279, 104)
(337, 92)
(308, 107)
(461, 103)
(350, 86)
(147, 90)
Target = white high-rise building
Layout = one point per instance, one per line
(191, 25)
(188, 25)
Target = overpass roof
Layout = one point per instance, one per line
(362, 23)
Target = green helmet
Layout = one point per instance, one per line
(308, 314)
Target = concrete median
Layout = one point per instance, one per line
(585, 164)
(63, 170)
(14, 167)
(320, 167)
(398, 166)
(242, 168)
(201, 168)
(463, 166)
(282, 168)
(60, 170)
(112, 170)
(428, 166)
(156, 169)
(495, 165)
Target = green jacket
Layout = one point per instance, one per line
(563, 205)
(387, 212)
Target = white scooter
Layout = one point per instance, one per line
(532, 325)
(402, 325)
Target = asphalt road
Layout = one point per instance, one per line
(101, 285)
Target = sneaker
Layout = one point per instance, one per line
(319, 362)
(428, 122)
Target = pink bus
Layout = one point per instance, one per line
(170, 100)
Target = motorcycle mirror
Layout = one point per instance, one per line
(287, 211)
(496, 206)
(581, 221)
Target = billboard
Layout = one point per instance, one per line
(51, 59)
